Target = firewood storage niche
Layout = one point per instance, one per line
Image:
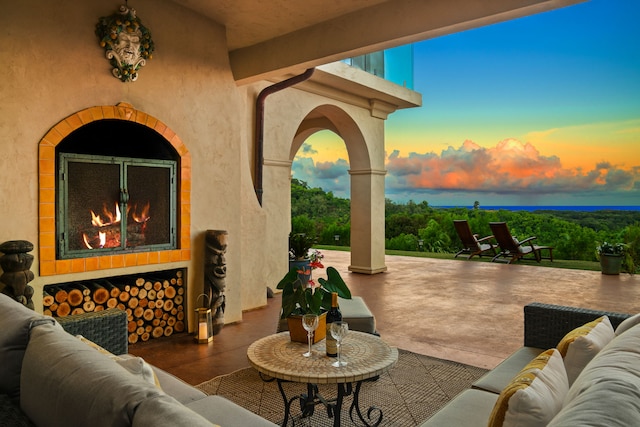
(116, 192)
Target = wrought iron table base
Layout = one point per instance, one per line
(313, 397)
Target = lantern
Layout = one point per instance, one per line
(204, 331)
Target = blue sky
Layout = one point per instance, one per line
(539, 110)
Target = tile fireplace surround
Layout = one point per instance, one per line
(49, 265)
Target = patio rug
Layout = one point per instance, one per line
(407, 395)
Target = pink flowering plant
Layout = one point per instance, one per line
(301, 298)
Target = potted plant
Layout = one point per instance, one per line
(299, 246)
(613, 257)
(300, 298)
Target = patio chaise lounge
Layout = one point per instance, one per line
(471, 245)
(511, 249)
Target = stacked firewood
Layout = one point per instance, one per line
(154, 303)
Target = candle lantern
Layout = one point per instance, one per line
(204, 331)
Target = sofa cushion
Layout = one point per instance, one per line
(579, 346)
(535, 395)
(499, 377)
(135, 365)
(176, 388)
(66, 383)
(628, 324)
(221, 411)
(163, 410)
(471, 408)
(607, 392)
(15, 321)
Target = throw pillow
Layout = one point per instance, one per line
(535, 395)
(628, 324)
(579, 346)
(135, 365)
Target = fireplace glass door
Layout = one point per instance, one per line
(110, 204)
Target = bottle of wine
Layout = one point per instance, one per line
(333, 315)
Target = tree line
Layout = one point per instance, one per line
(417, 226)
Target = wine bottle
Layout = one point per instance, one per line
(333, 315)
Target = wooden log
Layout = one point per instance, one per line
(178, 299)
(121, 306)
(114, 292)
(168, 305)
(151, 294)
(179, 326)
(75, 297)
(157, 332)
(170, 292)
(171, 321)
(180, 315)
(145, 336)
(180, 291)
(112, 302)
(174, 311)
(100, 294)
(60, 295)
(134, 291)
(158, 313)
(148, 285)
(155, 322)
(140, 282)
(63, 309)
(163, 323)
(132, 326)
(143, 302)
(99, 308)
(89, 306)
(124, 296)
(140, 330)
(47, 299)
(133, 302)
(133, 338)
(142, 294)
(148, 328)
(152, 304)
(137, 312)
(148, 315)
(168, 330)
(160, 294)
(77, 310)
(47, 312)
(159, 303)
(157, 286)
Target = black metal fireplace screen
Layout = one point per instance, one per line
(115, 204)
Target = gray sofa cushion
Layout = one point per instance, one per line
(221, 411)
(176, 388)
(16, 319)
(498, 378)
(470, 408)
(607, 391)
(163, 410)
(66, 383)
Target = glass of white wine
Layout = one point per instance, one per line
(309, 323)
(339, 331)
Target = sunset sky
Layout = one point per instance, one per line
(543, 110)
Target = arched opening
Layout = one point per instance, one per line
(366, 185)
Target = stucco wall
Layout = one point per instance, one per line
(53, 67)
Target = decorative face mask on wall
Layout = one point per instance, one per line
(127, 43)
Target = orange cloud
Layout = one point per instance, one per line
(509, 167)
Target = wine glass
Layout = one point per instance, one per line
(339, 331)
(309, 323)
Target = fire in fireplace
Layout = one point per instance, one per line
(108, 202)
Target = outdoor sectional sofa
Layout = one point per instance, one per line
(51, 377)
(605, 392)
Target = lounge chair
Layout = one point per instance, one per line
(511, 249)
(471, 244)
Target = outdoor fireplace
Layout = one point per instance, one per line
(111, 203)
(118, 174)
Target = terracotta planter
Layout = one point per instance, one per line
(610, 264)
(298, 333)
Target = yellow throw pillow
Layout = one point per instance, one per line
(579, 346)
(534, 396)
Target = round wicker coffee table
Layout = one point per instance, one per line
(367, 356)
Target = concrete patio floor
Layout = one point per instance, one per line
(466, 311)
